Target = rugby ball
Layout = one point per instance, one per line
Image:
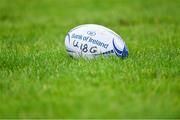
(91, 40)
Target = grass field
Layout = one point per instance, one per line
(39, 80)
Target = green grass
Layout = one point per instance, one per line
(39, 80)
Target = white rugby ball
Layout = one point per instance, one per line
(91, 40)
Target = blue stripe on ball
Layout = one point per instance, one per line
(125, 52)
(69, 38)
(117, 51)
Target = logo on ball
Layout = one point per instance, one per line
(91, 33)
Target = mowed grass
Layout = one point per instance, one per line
(39, 80)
